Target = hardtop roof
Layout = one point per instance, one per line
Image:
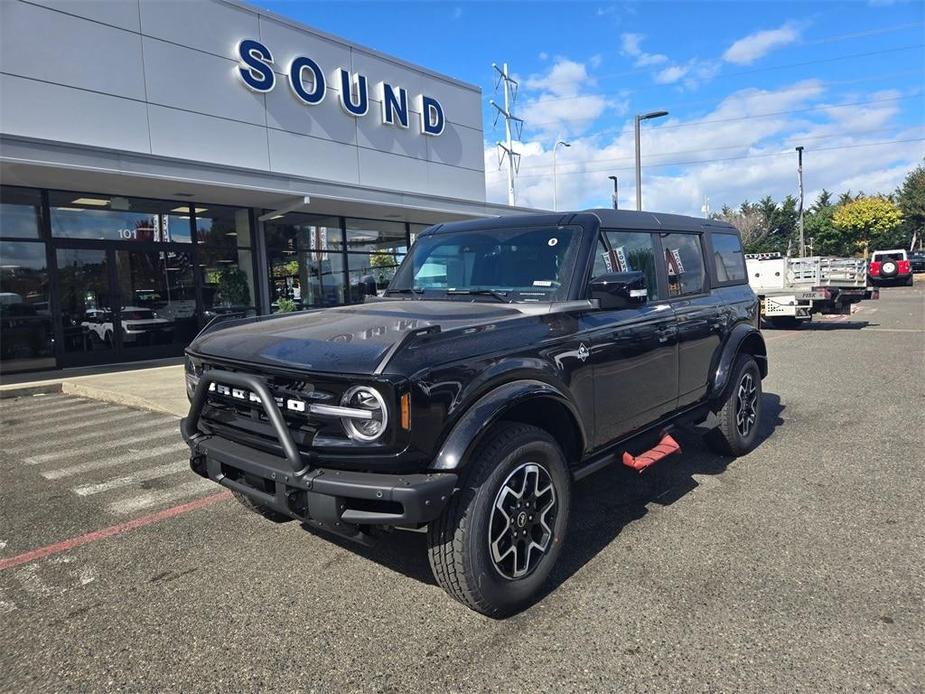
(606, 218)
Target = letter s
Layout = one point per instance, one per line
(255, 70)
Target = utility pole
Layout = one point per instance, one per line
(639, 118)
(800, 174)
(706, 206)
(507, 148)
(613, 196)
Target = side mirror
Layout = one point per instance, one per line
(617, 290)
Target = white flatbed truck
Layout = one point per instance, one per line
(791, 290)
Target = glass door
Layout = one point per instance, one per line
(157, 315)
(87, 329)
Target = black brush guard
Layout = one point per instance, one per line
(338, 500)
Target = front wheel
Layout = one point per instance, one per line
(499, 538)
(741, 411)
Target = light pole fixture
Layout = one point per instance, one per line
(799, 151)
(613, 196)
(555, 174)
(639, 118)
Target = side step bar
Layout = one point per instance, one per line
(663, 449)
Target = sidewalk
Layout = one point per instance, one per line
(151, 387)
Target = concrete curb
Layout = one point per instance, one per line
(86, 391)
(22, 391)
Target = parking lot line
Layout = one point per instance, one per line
(101, 422)
(148, 499)
(71, 543)
(48, 406)
(76, 438)
(163, 430)
(91, 411)
(140, 476)
(122, 459)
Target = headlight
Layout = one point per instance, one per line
(365, 398)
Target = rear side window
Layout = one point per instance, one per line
(728, 259)
(684, 262)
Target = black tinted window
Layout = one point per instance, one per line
(633, 251)
(684, 262)
(728, 258)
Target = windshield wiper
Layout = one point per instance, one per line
(500, 296)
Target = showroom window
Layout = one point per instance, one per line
(90, 216)
(375, 250)
(26, 326)
(225, 257)
(306, 259)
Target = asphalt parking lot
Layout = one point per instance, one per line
(796, 568)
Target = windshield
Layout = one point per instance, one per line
(527, 264)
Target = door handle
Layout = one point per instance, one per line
(665, 333)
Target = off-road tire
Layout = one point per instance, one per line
(726, 438)
(260, 509)
(458, 541)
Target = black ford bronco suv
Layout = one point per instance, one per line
(507, 358)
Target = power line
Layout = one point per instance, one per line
(739, 145)
(712, 102)
(722, 159)
(769, 68)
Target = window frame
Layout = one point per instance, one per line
(707, 280)
(661, 273)
(714, 278)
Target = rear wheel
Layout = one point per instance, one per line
(496, 543)
(738, 419)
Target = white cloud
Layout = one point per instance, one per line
(631, 45)
(671, 74)
(747, 50)
(750, 154)
(457, 13)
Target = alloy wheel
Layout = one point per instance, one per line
(523, 515)
(746, 405)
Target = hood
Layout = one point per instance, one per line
(345, 339)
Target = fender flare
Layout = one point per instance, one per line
(488, 409)
(744, 336)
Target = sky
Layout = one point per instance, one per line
(744, 84)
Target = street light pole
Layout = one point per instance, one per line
(614, 197)
(555, 174)
(800, 174)
(639, 118)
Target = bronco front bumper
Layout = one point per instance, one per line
(340, 501)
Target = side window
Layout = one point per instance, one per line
(728, 258)
(684, 262)
(601, 260)
(634, 251)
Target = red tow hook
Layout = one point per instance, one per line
(663, 449)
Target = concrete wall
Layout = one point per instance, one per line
(160, 77)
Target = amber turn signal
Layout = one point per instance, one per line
(406, 411)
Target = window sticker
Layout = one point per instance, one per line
(607, 261)
(553, 241)
(673, 257)
(542, 283)
(621, 264)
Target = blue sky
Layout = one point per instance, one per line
(744, 82)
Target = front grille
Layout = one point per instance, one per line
(237, 414)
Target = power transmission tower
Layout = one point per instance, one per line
(506, 148)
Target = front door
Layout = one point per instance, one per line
(634, 351)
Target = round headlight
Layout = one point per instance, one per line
(365, 398)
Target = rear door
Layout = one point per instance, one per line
(634, 351)
(698, 312)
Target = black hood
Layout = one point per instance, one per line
(345, 339)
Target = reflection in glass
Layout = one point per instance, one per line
(228, 281)
(370, 273)
(223, 227)
(158, 298)
(19, 212)
(26, 334)
(306, 260)
(86, 311)
(373, 235)
(113, 218)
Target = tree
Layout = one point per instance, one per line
(868, 222)
(911, 200)
(823, 201)
(750, 222)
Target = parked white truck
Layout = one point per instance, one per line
(791, 290)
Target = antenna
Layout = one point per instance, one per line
(506, 148)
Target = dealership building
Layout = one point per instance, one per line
(165, 162)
